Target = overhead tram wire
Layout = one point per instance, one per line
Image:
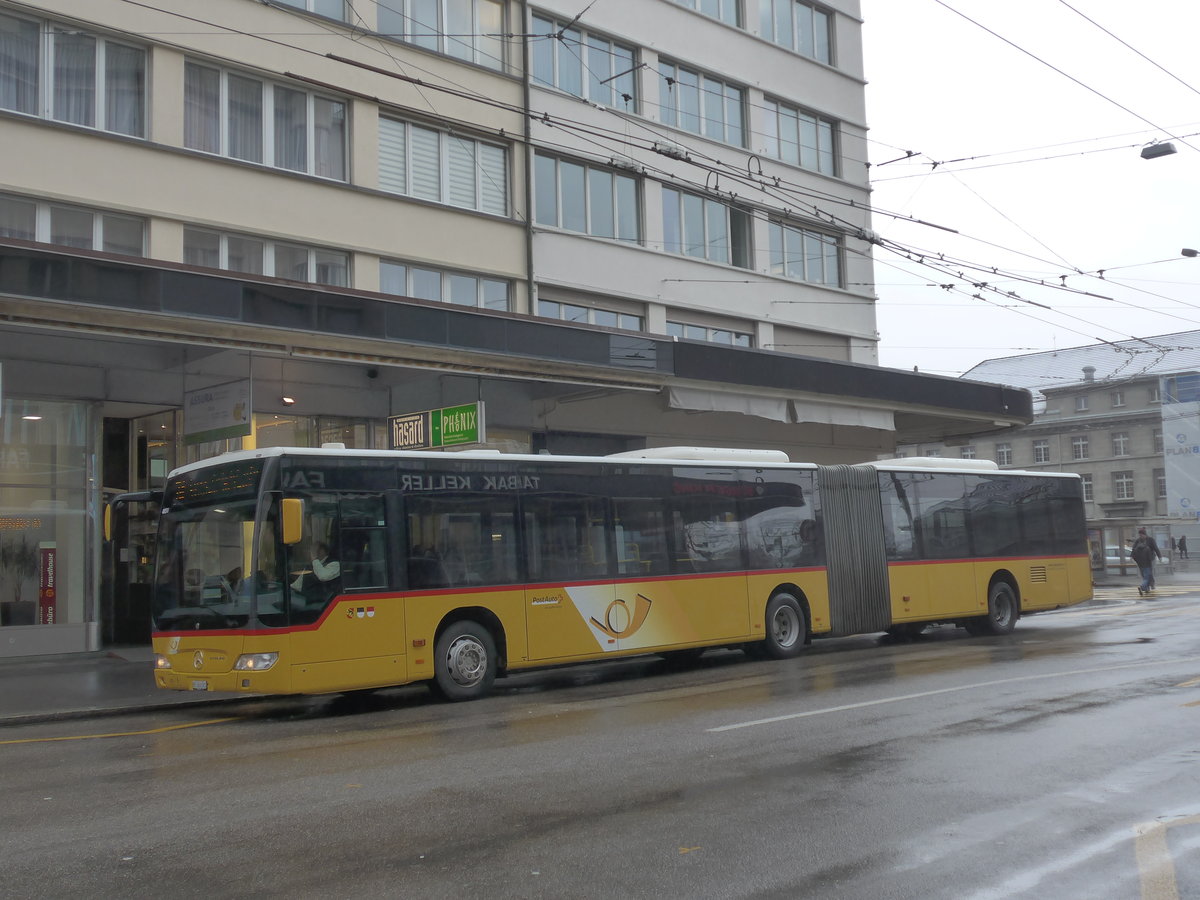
(1087, 87)
(762, 184)
(1130, 47)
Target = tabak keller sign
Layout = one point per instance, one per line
(451, 426)
(217, 413)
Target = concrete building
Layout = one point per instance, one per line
(614, 225)
(1120, 414)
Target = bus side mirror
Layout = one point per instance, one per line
(292, 514)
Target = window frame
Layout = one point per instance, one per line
(270, 250)
(1124, 485)
(781, 262)
(1004, 454)
(1080, 448)
(489, 161)
(825, 160)
(738, 239)
(772, 14)
(634, 323)
(446, 282)
(101, 88)
(445, 37)
(43, 231)
(266, 143)
(728, 11)
(1121, 443)
(616, 86)
(673, 112)
(587, 215)
(1041, 450)
(691, 331)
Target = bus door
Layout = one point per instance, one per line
(128, 571)
(571, 606)
(945, 541)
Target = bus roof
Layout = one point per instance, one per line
(651, 456)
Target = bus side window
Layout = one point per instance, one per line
(640, 530)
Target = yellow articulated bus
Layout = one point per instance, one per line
(286, 571)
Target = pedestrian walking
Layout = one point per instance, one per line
(1144, 552)
(1183, 546)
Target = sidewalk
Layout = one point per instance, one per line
(118, 680)
(83, 685)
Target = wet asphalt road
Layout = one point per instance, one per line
(1062, 761)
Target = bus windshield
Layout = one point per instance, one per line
(202, 577)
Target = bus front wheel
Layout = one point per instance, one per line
(786, 626)
(465, 661)
(1002, 612)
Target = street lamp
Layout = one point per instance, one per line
(1188, 251)
(1154, 151)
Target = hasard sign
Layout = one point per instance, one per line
(450, 426)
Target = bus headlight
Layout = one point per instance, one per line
(161, 662)
(255, 662)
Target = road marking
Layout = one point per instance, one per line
(950, 690)
(1155, 865)
(117, 734)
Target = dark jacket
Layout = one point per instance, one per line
(1144, 551)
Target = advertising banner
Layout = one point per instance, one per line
(217, 413)
(47, 583)
(1180, 396)
(450, 426)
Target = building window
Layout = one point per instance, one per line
(1041, 451)
(1120, 443)
(967, 452)
(728, 11)
(1160, 483)
(800, 138)
(246, 118)
(471, 30)
(1158, 441)
(934, 452)
(586, 199)
(71, 226)
(699, 103)
(574, 312)
(443, 168)
(1155, 395)
(1117, 398)
(583, 64)
(1087, 487)
(802, 27)
(804, 255)
(423, 283)
(1079, 447)
(262, 256)
(1081, 403)
(333, 9)
(1122, 485)
(72, 76)
(706, 229)
(712, 335)
(1004, 454)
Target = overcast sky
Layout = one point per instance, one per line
(1050, 183)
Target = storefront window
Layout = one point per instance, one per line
(43, 501)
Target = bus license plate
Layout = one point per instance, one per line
(199, 685)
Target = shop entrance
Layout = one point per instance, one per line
(138, 454)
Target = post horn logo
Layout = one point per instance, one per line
(619, 622)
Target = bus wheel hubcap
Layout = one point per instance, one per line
(785, 627)
(467, 661)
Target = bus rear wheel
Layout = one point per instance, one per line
(786, 627)
(1002, 612)
(464, 661)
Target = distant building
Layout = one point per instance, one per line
(1121, 415)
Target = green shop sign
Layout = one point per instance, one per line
(450, 426)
